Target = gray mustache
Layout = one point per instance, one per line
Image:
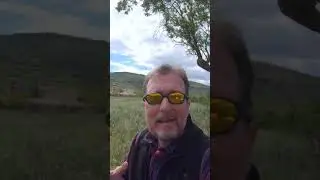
(159, 117)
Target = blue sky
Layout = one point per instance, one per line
(122, 63)
(136, 44)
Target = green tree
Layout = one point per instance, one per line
(186, 22)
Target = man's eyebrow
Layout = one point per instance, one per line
(175, 90)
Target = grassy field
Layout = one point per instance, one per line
(65, 146)
(285, 156)
(279, 154)
(52, 146)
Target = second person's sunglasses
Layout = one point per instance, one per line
(224, 115)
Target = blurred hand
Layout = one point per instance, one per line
(118, 172)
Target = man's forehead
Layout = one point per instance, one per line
(170, 80)
(168, 77)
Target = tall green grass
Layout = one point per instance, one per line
(53, 146)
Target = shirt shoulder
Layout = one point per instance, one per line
(205, 166)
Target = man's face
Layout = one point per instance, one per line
(231, 151)
(173, 117)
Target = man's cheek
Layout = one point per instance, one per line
(152, 112)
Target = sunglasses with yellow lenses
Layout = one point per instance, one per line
(173, 98)
(223, 115)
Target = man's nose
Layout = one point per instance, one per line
(165, 105)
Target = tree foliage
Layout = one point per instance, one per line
(186, 22)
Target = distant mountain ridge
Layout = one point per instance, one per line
(55, 55)
(134, 82)
(54, 59)
(51, 35)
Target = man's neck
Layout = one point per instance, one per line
(163, 144)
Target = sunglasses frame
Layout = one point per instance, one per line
(185, 97)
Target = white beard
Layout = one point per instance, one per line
(166, 135)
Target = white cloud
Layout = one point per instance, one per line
(144, 41)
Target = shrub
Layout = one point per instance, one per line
(14, 101)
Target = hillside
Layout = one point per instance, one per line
(54, 67)
(66, 65)
(53, 55)
(133, 83)
(274, 83)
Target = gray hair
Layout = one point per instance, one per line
(166, 69)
